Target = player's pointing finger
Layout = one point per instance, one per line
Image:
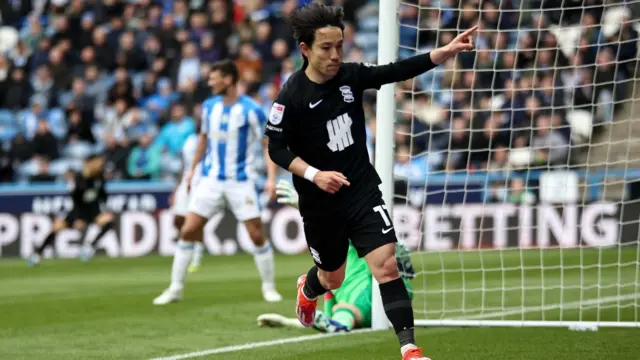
(470, 31)
(340, 179)
(343, 179)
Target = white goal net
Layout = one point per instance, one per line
(517, 165)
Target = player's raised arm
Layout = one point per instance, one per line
(376, 76)
(278, 131)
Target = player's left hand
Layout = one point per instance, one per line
(462, 42)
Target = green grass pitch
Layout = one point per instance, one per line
(65, 309)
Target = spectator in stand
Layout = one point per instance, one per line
(20, 56)
(59, 70)
(550, 147)
(96, 85)
(173, 136)
(249, 60)
(115, 120)
(80, 140)
(116, 154)
(21, 150)
(159, 103)
(499, 160)
(78, 96)
(16, 91)
(144, 160)
(29, 118)
(188, 68)
(174, 133)
(122, 88)
(410, 170)
(45, 144)
(208, 51)
(139, 125)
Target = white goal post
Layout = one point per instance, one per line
(544, 231)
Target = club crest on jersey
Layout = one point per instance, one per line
(276, 113)
(347, 95)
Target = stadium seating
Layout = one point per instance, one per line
(119, 69)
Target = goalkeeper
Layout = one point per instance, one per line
(349, 306)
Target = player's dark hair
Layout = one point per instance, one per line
(306, 20)
(228, 68)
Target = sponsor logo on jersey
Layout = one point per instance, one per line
(340, 133)
(276, 114)
(312, 105)
(269, 127)
(347, 95)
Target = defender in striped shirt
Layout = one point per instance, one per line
(230, 127)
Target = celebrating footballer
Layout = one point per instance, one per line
(316, 130)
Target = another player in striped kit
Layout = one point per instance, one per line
(181, 196)
(231, 124)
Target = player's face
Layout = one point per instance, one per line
(325, 55)
(219, 83)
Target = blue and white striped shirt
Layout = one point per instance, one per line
(232, 131)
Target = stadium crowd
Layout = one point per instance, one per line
(127, 77)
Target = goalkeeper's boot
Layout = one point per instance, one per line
(305, 308)
(326, 324)
(414, 353)
(168, 296)
(277, 320)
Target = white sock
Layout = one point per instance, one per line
(198, 249)
(406, 347)
(263, 257)
(181, 259)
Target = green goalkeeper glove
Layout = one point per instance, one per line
(405, 266)
(286, 194)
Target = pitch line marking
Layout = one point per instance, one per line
(297, 339)
(234, 348)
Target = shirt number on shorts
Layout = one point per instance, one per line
(382, 209)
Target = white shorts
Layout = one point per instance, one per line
(181, 201)
(210, 197)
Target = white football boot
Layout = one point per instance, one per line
(168, 296)
(270, 294)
